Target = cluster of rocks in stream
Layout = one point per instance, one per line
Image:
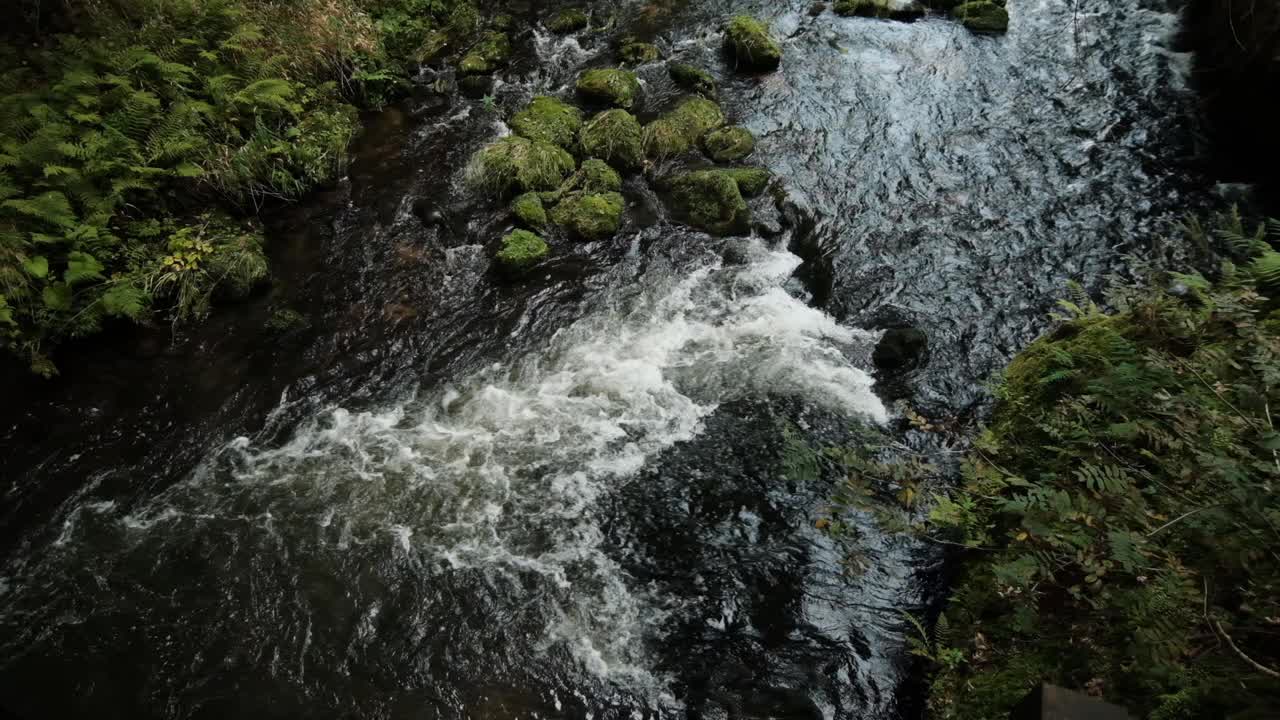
(562, 166)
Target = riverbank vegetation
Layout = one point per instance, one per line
(1120, 512)
(138, 138)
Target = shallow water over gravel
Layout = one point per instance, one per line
(453, 497)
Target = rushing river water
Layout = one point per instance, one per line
(454, 497)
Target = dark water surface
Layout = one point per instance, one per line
(454, 497)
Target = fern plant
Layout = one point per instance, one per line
(1124, 497)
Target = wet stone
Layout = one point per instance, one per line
(900, 349)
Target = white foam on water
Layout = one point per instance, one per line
(502, 472)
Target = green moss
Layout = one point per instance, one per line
(568, 21)
(610, 85)
(491, 52)
(729, 144)
(614, 136)
(751, 181)
(286, 320)
(751, 44)
(692, 78)
(589, 216)
(596, 176)
(432, 46)
(521, 250)
(638, 53)
(879, 9)
(518, 164)
(982, 17)
(549, 120)
(711, 200)
(528, 209)
(679, 130)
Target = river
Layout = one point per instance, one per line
(453, 496)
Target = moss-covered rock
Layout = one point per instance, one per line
(491, 52)
(710, 200)
(982, 17)
(880, 9)
(616, 137)
(610, 85)
(751, 44)
(589, 216)
(519, 164)
(549, 120)
(638, 53)
(693, 78)
(432, 47)
(529, 211)
(729, 144)
(521, 250)
(568, 21)
(679, 130)
(595, 176)
(751, 181)
(286, 320)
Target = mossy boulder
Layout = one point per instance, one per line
(595, 176)
(549, 120)
(529, 211)
(751, 181)
(680, 130)
(751, 44)
(729, 144)
(610, 86)
(521, 250)
(711, 200)
(491, 52)
(589, 216)
(432, 46)
(982, 17)
(693, 78)
(286, 320)
(519, 164)
(568, 21)
(880, 9)
(616, 137)
(638, 53)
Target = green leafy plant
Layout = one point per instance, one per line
(1124, 500)
(116, 139)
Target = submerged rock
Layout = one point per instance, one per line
(638, 53)
(521, 250)
(492, 51)
(751, 44)
(568, 21)
(693, 78)
(679, 130)
(899, 349)
(519, 164)
(982, 17)
(286, 320)
(729, 144)
(711, 200)
(549, 120)
(616, 137)
(589, 216)
(610, 85)
(890, 9)
(528, 210)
